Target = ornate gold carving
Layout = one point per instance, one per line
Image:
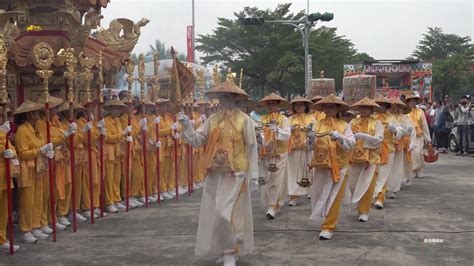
(3, 72)
(122, 43)
(216, 77)
(43, 59)
(129, 70)
(141, 77)
(67, 55)
(87, 64)
(156, 76)
(101, 79)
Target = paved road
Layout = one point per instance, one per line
(439, 205)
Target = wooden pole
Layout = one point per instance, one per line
(141, 78)
(101, 141)
(129, 69)
(156, 90)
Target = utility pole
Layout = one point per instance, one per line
(304, 26)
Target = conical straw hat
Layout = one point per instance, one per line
(28, 106)
(116, 103)
(273, 97)
(331, 99)
(202, 101)
(366, 102)
(299, 99)
(396, 101)
(53, 101)
(227, 87)
(316, 98)
(381, 99)
(413, 96)
(65, 107)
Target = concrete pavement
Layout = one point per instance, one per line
(439, 205)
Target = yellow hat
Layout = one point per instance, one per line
(53, 101)
(273, 97)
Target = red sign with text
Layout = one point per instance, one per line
(189, 37)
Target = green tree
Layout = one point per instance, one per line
(451, 56)
(272, 55)
(436, 45)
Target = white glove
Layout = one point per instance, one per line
(127, 130)
(392, 128)
(361, 135)
(254, 186)
(176, 135)
(143, 122)
(174, 126)
(5, 127)
(193, 123)
(184, 120)
(103, 131)
(203, 117)
(87, 127)
(50, 154)
(157, 120)
(72, 129)
(335, 135)
(101, 123)
(410, 130)
(412, 147)
(158, 144)
(129, 139)
(8, 154)
(47, 147)
(92, 117)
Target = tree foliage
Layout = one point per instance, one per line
(165, 53)
(272, 55)
(451, 55)
(436, 45)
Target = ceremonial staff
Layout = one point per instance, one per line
(43, 59)
(189, 148)
(87, 64)
(70, 74)
(156, 89)
(4, 103)
(141, 78)
(129, 69)
(101, 142)
(175, 141)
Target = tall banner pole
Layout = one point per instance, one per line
(43, 59)
(141, 78)
(101, 142)
(175, 141)
(70, 74)
(129, 69)
(4, 104)
(156, 91)
(87, 64)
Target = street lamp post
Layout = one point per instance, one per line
(303, 25)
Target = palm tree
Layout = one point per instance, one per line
(160, 47)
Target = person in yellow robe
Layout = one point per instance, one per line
(11, 155)
(369, 133)
(198, 117)
(150, 109)
(167, 166)
(418, 119)
(333, 140)
(61, 161)
(318, 115)
(115, 134)
(137, 184)
(32, 151)
(82, 167)
(392, 133)
(230, 161)
(274, 154)
(299, 153)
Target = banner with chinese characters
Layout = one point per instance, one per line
(397, 79)
(189, 44)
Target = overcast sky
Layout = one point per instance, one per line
(383, 29)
